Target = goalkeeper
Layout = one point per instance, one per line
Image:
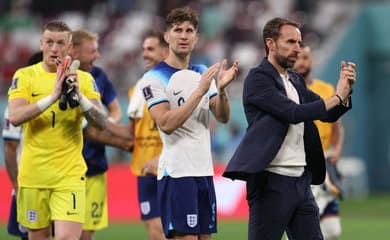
(52, 169)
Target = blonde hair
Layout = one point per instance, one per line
(78, 36)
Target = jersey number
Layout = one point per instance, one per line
(97, 209)
(180, 101)
(74, 199)
(53, 119)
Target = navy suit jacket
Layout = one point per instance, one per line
(269, 112)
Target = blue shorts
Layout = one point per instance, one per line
(147, 197)
(188, 205)
(14, 228)
(332, 208)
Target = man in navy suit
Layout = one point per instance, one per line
(281, 153)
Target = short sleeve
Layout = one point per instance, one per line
(20, 86)
(153, 90)
(136, 103)
(10, 132)
(88, 86)
(213, 89)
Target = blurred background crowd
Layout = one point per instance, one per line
(229, 29)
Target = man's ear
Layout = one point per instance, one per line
(72, 51)
(166, 37)
(270, 43)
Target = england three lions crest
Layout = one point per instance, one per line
(192, 220)
(145, 207)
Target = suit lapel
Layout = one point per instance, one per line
(271, 70)
(297, 86)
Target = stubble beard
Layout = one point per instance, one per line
(284, 62)
(181, 55)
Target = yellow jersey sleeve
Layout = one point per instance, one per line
(87, 85)
(21, 84)
(147, 143)
(324, 90)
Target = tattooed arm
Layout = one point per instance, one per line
(94, 115)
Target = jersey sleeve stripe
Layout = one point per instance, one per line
(11, 138)
(213, 94)
(152, 103)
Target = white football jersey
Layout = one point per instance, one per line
(186, 151)
(136, 104)
(10, 132)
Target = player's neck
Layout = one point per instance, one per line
(48, 68)
(179, 62)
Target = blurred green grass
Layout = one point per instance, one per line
(362, 219)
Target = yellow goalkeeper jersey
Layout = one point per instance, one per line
(147, 143)
(324, 90)
(52, 141)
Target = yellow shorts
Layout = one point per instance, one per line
(96, 213)
(37, 207)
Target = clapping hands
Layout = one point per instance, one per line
(347, 79)
(225, 76)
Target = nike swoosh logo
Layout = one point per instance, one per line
(71, 213)
(176, 93)
(35, 94)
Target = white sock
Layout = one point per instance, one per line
(331, 227)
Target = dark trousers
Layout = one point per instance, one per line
(280, 203)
